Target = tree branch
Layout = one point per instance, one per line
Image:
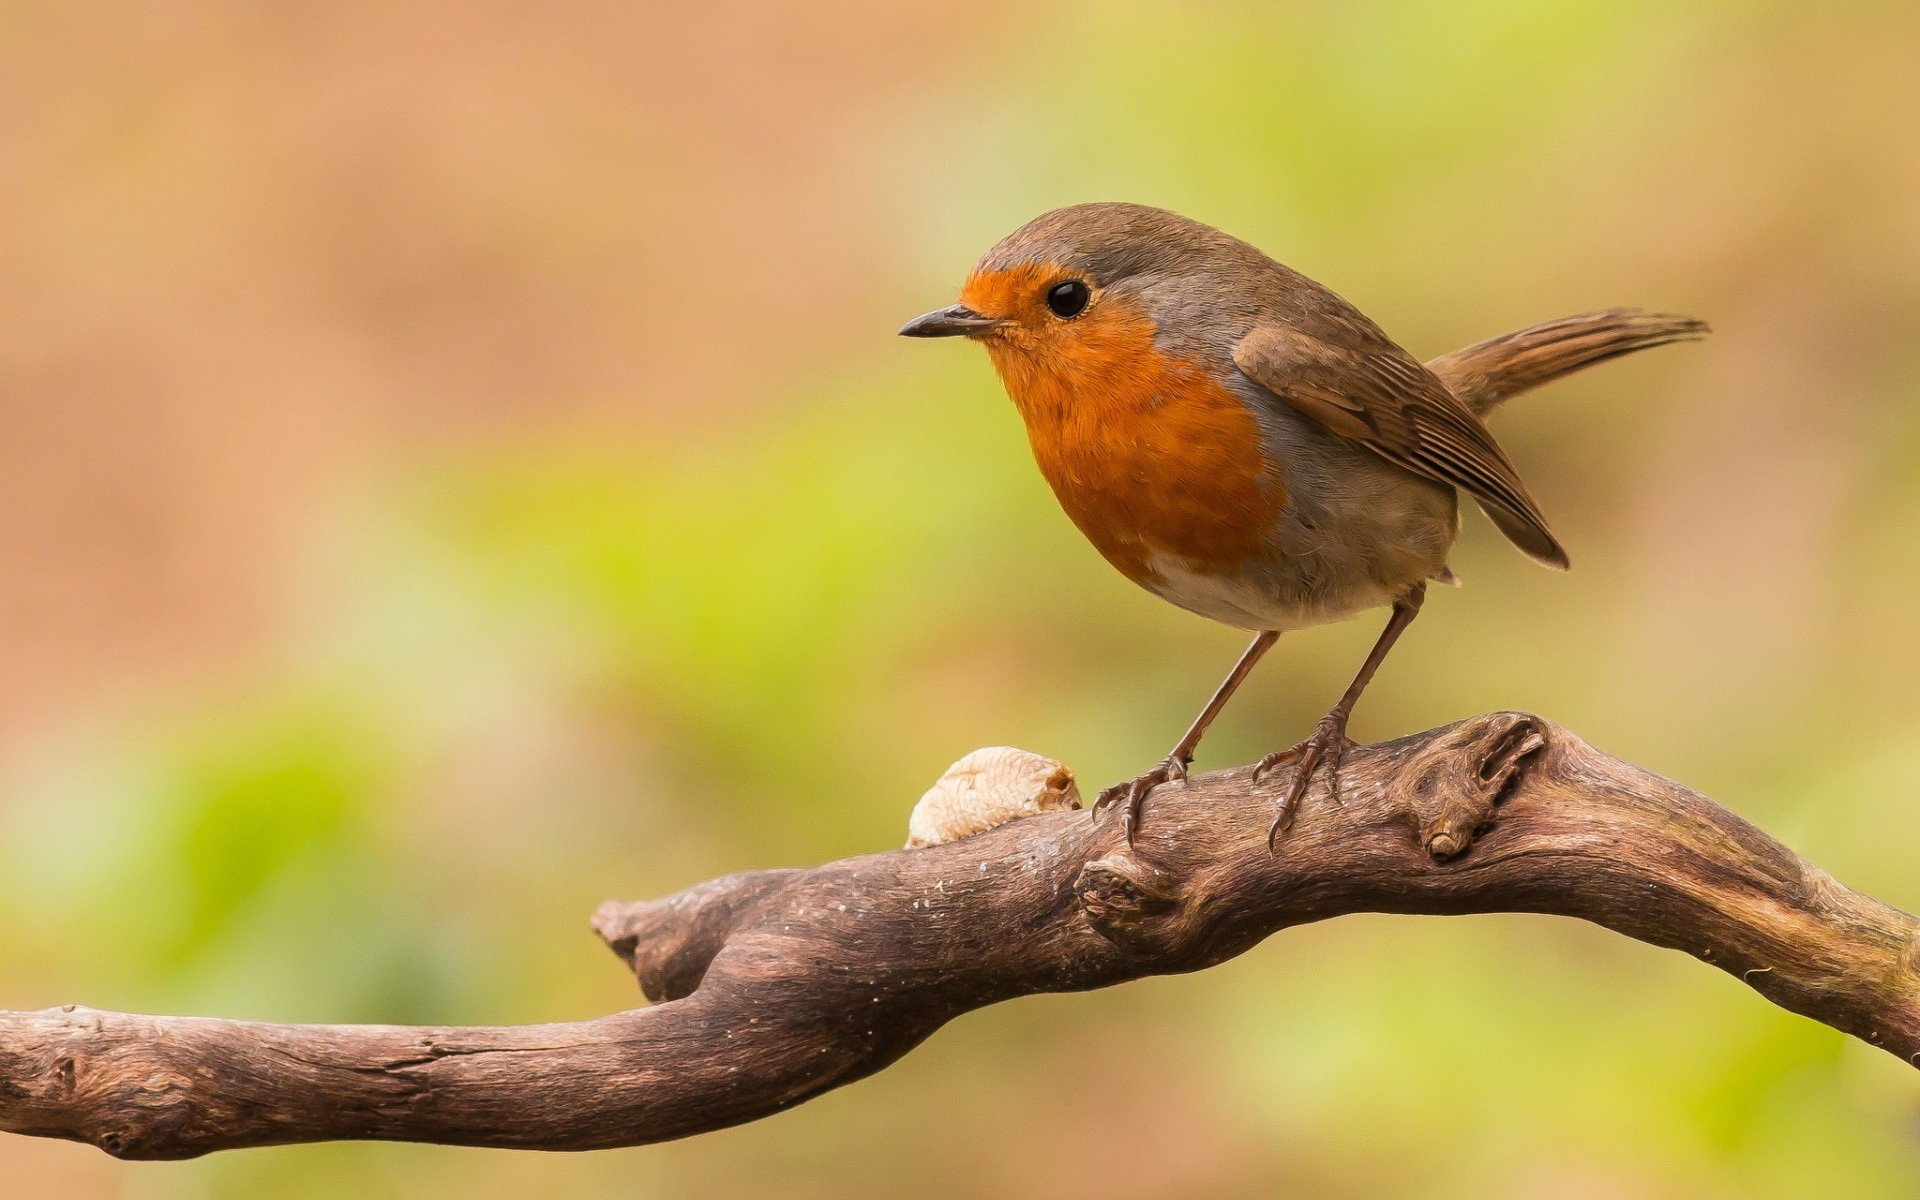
(779, 985)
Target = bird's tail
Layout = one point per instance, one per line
(1487, 373)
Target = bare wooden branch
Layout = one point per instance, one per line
(778, 985)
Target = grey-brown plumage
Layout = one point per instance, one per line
(1360, 386)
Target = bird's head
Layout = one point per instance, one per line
(1077, 293)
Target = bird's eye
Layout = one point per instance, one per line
(1065, 300)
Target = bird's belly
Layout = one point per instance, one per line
(1264, 597)
(1321, 546)
(1323, 559)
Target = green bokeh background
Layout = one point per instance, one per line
(514, 496)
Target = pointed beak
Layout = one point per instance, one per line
(956, 321)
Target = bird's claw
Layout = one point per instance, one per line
(1327, 744)
(1131, 794)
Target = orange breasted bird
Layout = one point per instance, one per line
(1242, 442)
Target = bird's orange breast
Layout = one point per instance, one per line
(1150, 456)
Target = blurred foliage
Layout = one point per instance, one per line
(739, 609)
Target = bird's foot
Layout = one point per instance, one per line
(1328, 743)
(1130, 795)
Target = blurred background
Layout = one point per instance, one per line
(456, 466)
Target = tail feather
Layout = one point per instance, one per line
(1490, 372)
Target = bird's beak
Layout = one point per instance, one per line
(955, 321)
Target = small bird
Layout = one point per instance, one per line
(1242, 442)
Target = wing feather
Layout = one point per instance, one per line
(1364, 388)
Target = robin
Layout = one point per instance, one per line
(1242, 442)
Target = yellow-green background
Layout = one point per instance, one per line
(456, 466)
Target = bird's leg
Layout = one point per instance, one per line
(1173, 768)
(1328, 742)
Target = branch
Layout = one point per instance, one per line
(779, 985)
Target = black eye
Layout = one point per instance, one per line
(1065, 300)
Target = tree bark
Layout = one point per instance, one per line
(775, 986)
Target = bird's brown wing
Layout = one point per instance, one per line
(1376, 394)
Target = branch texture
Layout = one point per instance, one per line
(775, 986)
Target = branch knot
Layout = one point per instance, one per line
(1454, 784)
(1125, 899)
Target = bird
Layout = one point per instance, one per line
(1239, 440)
